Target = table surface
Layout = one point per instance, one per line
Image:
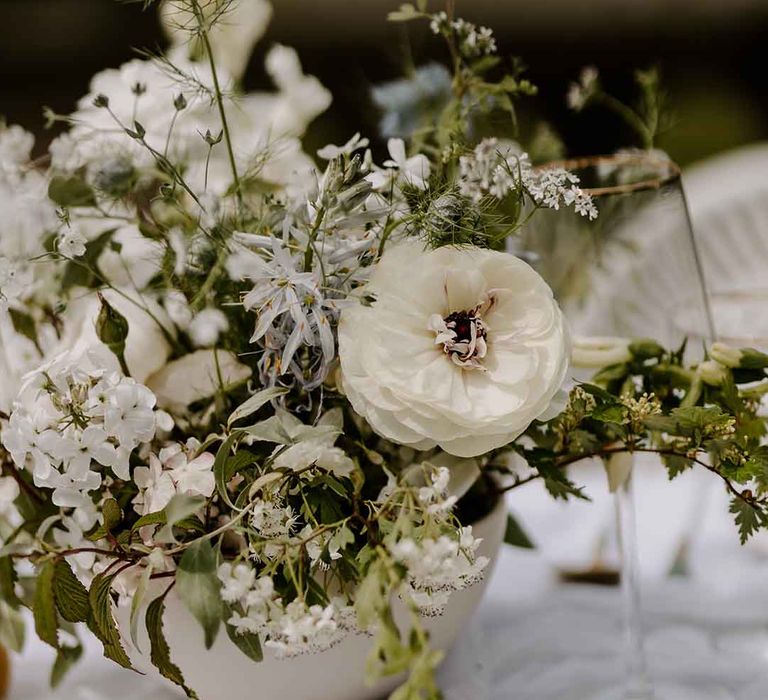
(535, 638)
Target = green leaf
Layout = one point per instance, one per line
(160, 654)
(179, 507)
(645, 349)
(248, 643)
(609, 413)
(753, 359)
(113, 515)
(254, 403)
(66, 658)
(199, 589)
(112, 329)
(8, 579)
(137, 602)
(515, 535)
(71, 192)
(23, 324)
(43, 607)
(220, 467)
(676, 464)
(12, 627)
(70, 595)
(749, 518)
(102, 623)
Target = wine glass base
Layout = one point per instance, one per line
(667, 691)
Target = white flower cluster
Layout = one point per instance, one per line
(437, 566)
(434, 496)
(27, 213)
(289, 629)
(72, 419)
(290, 309)
(473, 41)
(176, 469)
(499, 168)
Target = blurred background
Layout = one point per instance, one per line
(710, 52)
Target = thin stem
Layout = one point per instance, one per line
(219, 100)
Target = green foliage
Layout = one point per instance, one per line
(248, 643)
(71, 192)
(102, 623)
(66, 658)
(198, 587)
(749, 518)
(70, 595)
(515, 535)
(112, 329)
(160, 654)
(43, 606)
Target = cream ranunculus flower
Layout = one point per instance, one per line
(462, 348)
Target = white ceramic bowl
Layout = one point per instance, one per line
(336, 674)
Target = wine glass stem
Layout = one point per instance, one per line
(638, 686)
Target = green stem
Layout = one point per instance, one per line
(219, 101)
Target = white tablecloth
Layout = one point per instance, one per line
(534, 638)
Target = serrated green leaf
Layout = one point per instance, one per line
(66, 658)
(113, 515)
(515, 535)
(199, 588)
(70, 595)
(248, 643)
(160, 654)
(749, 518)
(254, 403)
(43, 606)
(609, 414)
(676, 464)
(102, 623)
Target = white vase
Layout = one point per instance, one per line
(336, 674)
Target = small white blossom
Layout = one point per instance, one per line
(580, 93)
(72, 243)
(413, 171)
(330, 151)
(205, 327)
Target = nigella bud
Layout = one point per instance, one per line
(179, 102)
(101, 101)
(112, 330)
(212, 140)
(115, 176)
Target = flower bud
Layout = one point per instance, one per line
(725, 354)
(115, 176)
(712, 372)
(598, 352)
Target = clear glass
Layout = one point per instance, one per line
(633, 272)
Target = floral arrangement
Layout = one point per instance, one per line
(286, 390)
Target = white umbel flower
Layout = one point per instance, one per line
(423, 384)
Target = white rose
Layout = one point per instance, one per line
(462, 348)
